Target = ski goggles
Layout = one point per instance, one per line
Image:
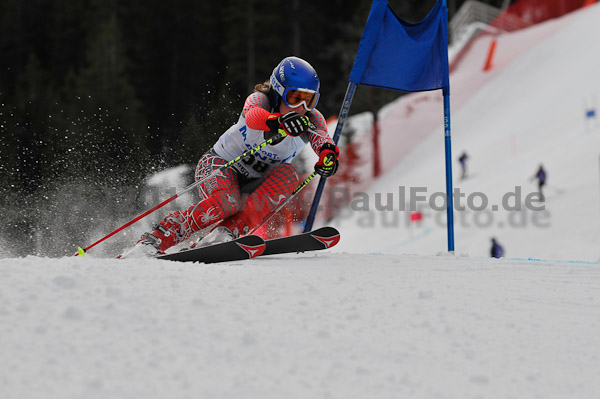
(294, 97)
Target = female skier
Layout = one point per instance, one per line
(287, 101)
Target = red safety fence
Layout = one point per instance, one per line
(525, 13)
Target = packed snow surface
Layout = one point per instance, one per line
(326, 325)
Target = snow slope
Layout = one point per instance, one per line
(353, 324)
(529, 110)
(306, 326)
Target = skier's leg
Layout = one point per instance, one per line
(277, 186)
(220, 198)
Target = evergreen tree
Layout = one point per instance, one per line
(110, 129)
(68, 23)
(26, 132)
(176, 62)
(34, 92)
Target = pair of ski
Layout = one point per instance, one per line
(251, 246)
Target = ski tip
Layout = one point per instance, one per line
(80, 251)
(327, 240)
(253, 250)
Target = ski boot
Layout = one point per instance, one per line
(218, 235)
(154, 243)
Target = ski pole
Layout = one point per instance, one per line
(214, 173)
(284, 203)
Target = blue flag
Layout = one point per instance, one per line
(399, 55)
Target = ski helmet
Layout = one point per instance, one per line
(295, 82)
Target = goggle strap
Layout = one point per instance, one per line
(278, 87)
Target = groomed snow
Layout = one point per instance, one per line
(309, 326)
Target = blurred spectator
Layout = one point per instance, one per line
(463, 163)
(541, 178)
(497, 251)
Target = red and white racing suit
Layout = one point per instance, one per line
(267, 175)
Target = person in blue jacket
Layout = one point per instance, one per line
(541, 178)
(497, 251)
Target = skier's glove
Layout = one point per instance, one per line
(293, 123)
(328, 163)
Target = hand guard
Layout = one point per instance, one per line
(328, 163)
(293, 123)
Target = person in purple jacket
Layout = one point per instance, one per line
(497, 251)
(541, 178)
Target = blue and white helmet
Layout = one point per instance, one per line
(296, 82)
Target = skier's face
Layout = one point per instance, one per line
(284, 109)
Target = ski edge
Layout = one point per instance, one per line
(255, 247)
(319, 239)
(252, 246)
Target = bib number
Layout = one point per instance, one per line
(258, 166)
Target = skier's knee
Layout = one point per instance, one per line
(230, 203)
(286, 171)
